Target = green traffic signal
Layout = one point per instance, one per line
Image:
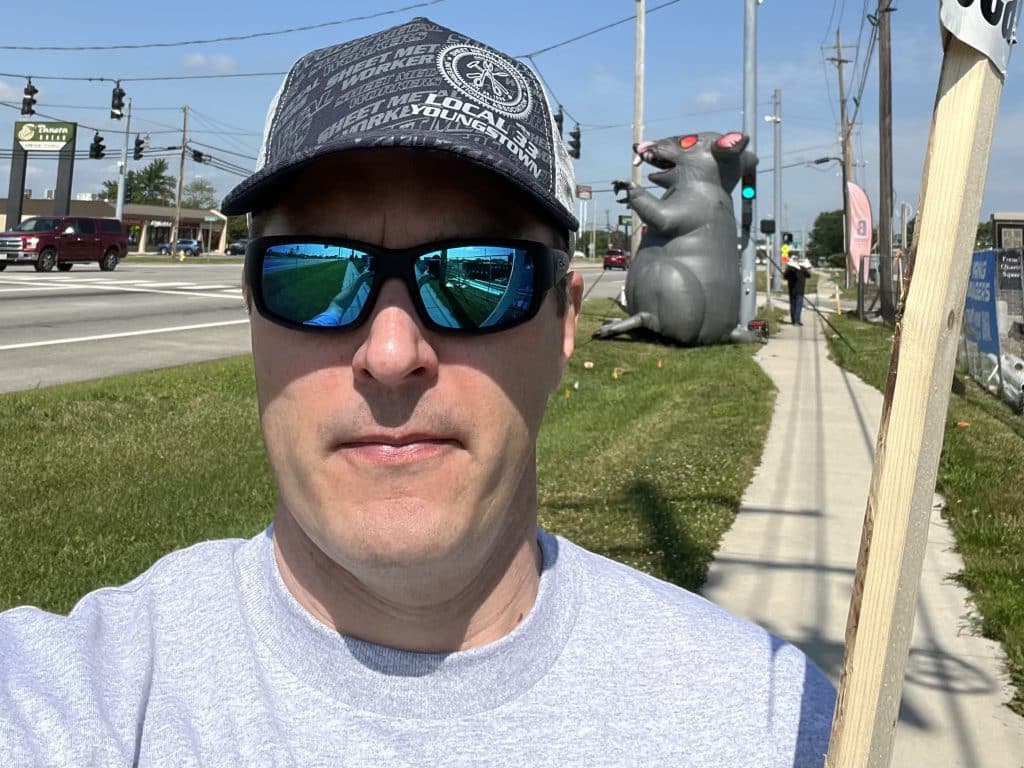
(748, 190)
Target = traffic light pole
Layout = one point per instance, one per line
(122, 173)
(748, 288)
(775, 275)
(638, 117)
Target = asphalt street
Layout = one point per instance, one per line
(59, 327)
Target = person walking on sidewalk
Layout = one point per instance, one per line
(796, 274)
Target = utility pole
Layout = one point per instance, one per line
(775, 283)
(122, 173)
(838, 60)
(886, 304)
(181, 183)
(748, 287)
(638, 115)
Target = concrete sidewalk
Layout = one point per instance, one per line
(788, 562)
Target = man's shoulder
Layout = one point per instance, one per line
(655, 600)
(658, 624)
(179, 580)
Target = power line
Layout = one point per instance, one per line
(828, 26)
(229, 38)
(226, 151)
(594, 31)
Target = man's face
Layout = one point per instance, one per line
(398, 450)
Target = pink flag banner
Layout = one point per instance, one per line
(858, 227)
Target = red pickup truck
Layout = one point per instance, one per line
(46, 242)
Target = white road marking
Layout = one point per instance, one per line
(76, 340)
(113, 285)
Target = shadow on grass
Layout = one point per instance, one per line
(683, 560)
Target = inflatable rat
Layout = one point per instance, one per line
(684, 281)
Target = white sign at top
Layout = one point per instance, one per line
(989, 26)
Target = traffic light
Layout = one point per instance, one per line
(560, 121)
(140, 144)
(748, 189)
(97, 149)
(117, 102)
(787, 238)
(29, 102)
(574, 142)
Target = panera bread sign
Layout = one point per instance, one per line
(48, 137)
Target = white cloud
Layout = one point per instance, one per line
(9, 92)
(708, 99)
(219, 63)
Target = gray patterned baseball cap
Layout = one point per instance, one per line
(417, 85)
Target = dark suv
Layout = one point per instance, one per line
(46, 242)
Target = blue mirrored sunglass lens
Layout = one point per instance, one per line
(316, 284)
(476, 286)
(463, 287)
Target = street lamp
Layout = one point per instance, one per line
(774, 275)
(846, 204)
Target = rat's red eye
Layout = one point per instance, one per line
(688, 141)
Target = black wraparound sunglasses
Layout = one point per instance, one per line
(470, 286)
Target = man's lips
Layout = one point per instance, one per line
(392, 449)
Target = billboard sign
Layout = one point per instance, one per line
(44, 136)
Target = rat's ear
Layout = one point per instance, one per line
(730, 144)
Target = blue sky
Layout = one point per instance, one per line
(693, 82)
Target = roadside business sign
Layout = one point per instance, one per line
(44, 136)
(584, 191)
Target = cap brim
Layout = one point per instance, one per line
(255, 192)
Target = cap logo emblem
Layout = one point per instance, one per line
(487, 78)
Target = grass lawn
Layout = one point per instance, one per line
(980, 475)
(156, 258)
(644, 457)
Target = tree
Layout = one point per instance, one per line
(983, 238)
(150, 186)
(199, 193)
(238, 228)
(603, 239)
(826, 238)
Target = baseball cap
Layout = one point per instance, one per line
(422, 86)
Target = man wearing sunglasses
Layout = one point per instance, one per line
(411, 310)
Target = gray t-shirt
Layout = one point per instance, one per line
(207, 660)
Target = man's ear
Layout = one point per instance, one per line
(574, 287)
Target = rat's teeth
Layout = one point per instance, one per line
(637, 161)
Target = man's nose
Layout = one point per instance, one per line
(395, 348)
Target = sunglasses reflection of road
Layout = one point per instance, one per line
(333, 292)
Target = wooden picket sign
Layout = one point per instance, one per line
(895, 533)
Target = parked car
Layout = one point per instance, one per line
(46, 242)
(188, 246)
(616, 258)
(237, 248)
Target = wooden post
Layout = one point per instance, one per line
(895, 532)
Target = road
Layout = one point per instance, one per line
(60, 327)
